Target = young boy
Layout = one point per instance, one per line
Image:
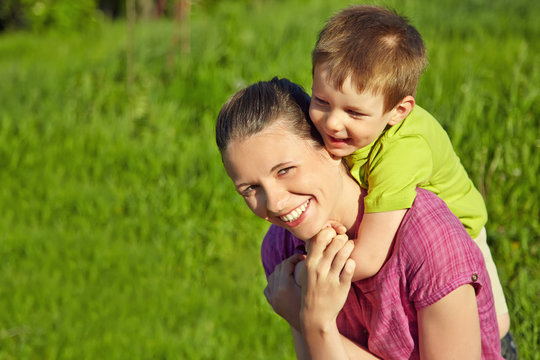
(366, 65)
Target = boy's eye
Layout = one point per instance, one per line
(320, 101)
(354, 113)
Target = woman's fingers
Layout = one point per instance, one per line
(282, 293)
(330, 272)
(348, 272)
(319, 242)
(316, 249)
(282, 274)
(291, 262)
(341, 257)
(331, 251)
(328, 253)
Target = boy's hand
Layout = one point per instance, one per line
(339, 228)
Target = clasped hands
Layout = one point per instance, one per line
(312, 292)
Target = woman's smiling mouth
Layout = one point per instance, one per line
(296, 213)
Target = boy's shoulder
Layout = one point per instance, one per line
(419, 114)
(419, 123)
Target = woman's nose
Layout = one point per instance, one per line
(276, 201)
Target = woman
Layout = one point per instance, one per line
(431, 299)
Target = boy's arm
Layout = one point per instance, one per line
(375, 236)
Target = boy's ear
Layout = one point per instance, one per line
(401, 110)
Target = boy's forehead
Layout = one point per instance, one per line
(322, 77)
(339, 78)
(321, 80)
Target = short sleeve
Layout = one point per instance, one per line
(446, 260)
(396, 168)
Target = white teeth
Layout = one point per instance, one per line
(295, 214)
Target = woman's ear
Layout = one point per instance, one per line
(401, 110)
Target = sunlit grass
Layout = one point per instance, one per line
(121, 236)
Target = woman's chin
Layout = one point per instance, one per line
(303, 234)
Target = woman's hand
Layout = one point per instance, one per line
(300, 269)
(328, 274)
(282, 292)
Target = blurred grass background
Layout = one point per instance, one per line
(121, 236)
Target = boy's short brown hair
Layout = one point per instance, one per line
(378, 48)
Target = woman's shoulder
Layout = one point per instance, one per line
(431, 233)
(278, 244)
(429, 216)
(435, 250)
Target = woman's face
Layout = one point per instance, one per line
(286, 180)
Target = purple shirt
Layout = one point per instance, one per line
(432, 255)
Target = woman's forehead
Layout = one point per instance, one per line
(274, 135)
(259, 144)
(263, 151)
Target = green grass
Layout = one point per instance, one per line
(120, 234)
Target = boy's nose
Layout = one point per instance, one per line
(333, 122)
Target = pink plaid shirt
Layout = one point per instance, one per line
(432, 256)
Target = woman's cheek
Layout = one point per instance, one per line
(252, 204)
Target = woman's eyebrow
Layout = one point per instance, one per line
(274, 168)
(277, 166)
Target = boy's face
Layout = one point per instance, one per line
(346, 119)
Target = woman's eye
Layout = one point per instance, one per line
(247, 190)
(285, 171)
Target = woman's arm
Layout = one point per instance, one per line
(450, 328)
(285, 296)
(333, 346)
(327, 279)
(300, 345)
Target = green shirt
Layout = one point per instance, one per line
(416, 153)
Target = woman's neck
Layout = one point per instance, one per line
(352, 204)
